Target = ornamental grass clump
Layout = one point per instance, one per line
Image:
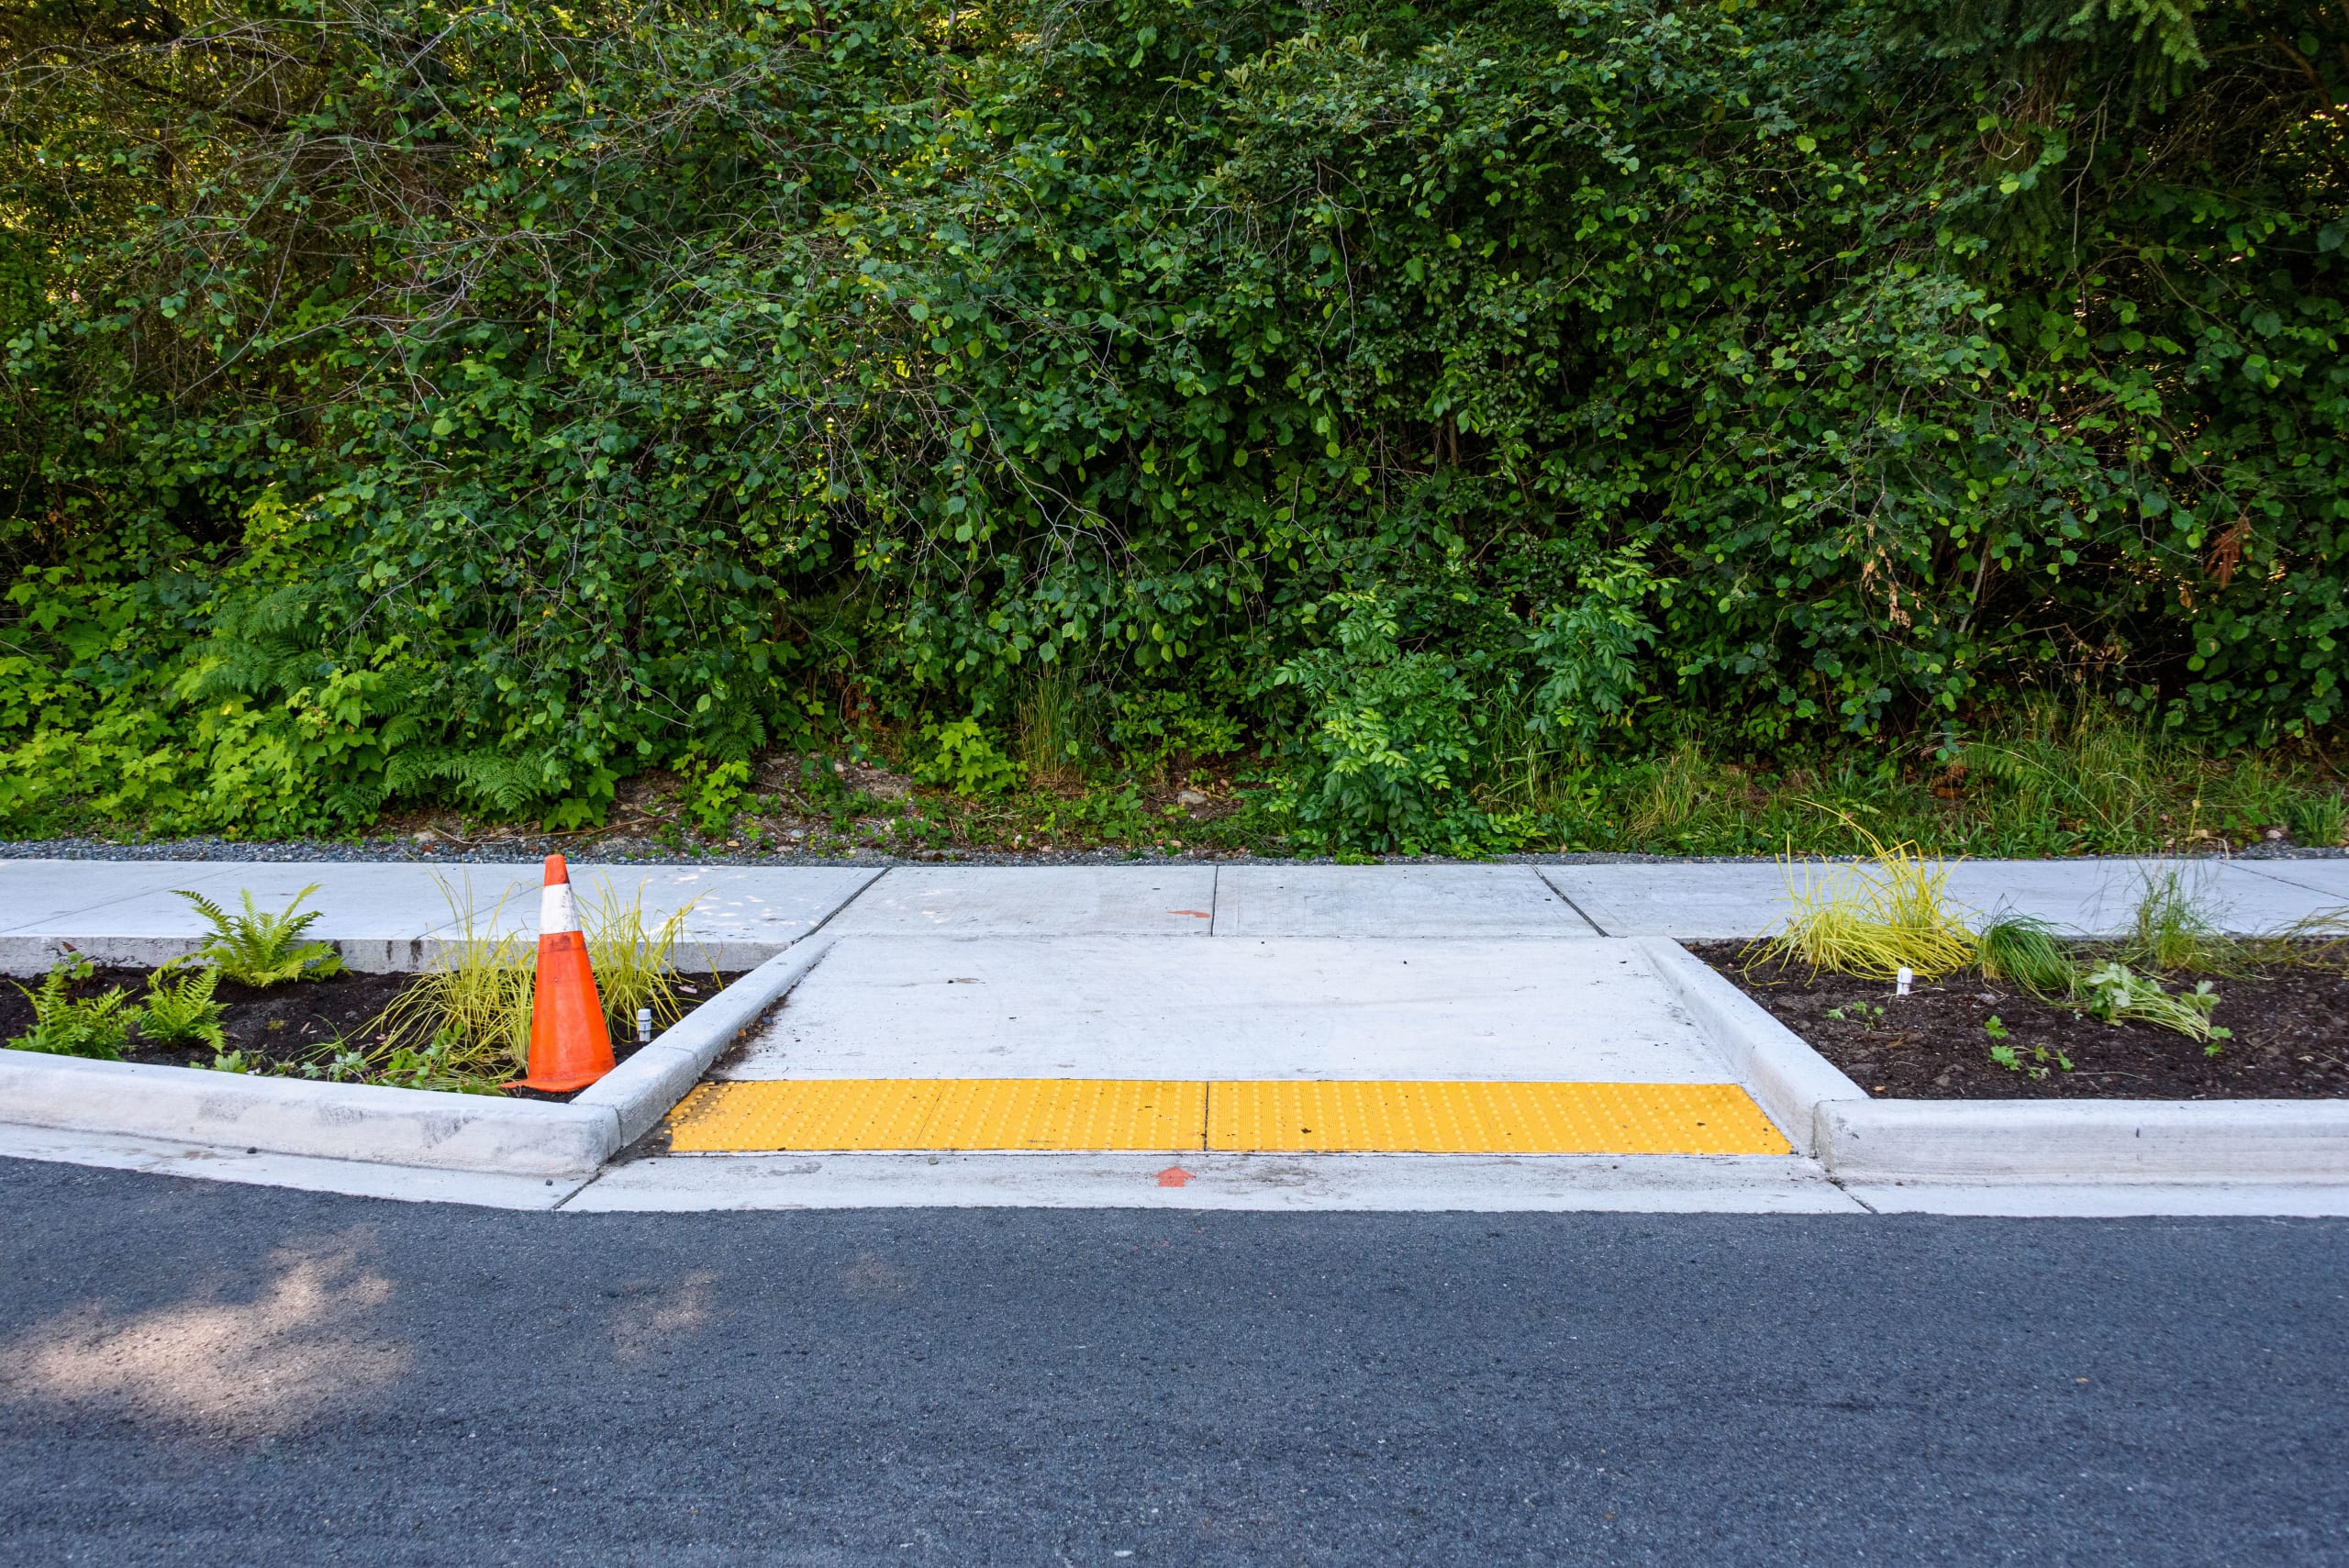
(465, 1024)
(632, 964)
(2174, 927)
(2024, 952)
(470, 1009)
(1889, 912)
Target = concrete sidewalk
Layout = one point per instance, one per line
(390, 915)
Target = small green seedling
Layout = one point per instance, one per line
(2037, 1064)
(181, 1010)
(261, 951)
(1867, 1014)
(63, 1025)
(1995, 1027)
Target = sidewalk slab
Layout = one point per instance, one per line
(1390, 901)
(382, 918)
(1301, 1008)
(77, 900)
(393, 917)
(39, 896)
(1036, 901)
(2327, 881)
(382, 912)
(1283, 1183)
(741, 916)
(1735, 900)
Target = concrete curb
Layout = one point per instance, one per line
(1792, 1082)
(2145, 1140)
(398, 1127)
(640, 1090)
(296, 1116)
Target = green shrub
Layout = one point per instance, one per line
(1844, 383)
(965, 761)
(1387, 741)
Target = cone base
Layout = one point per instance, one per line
(555, 1085)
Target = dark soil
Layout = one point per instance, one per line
(2290, 1040)
(288, 1025)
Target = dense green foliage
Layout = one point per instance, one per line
(408, 399)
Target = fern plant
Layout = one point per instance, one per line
(261, 950)
(180, 1008)
(66, 1024)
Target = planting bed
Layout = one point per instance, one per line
(288, 1025)
(2291, 1041)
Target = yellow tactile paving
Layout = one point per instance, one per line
(1067, 1113)
(1435, 1117)
(1268, 1116)
(940, 1113)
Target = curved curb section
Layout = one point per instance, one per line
(1855, 1138)
(399, 1127)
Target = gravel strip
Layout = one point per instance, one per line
(523, 849)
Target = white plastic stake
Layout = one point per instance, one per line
(644, 1023)
(1900, 980)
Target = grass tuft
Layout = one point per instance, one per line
(471, 1009)
(2024, 952)
(2175, 928)
(633, 965)
(2318, 820)
(1887, 913)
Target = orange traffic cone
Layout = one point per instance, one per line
(570, 1047)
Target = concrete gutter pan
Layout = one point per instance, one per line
(399, 1127)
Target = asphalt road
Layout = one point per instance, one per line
(206, 1373)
